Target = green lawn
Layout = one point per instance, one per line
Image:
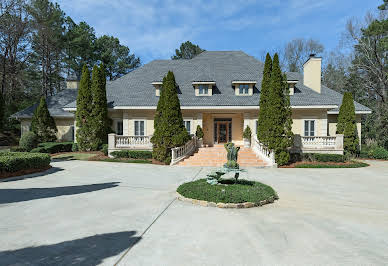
(74, 156)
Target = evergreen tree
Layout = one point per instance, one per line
(279, 115)
(169, 129)
(187, 50)
(347, 124)
(84, 109)
(1, 112)
(43, 124)
(263, 123)
(99, 113)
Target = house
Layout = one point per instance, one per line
(218, 90)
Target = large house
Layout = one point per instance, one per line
(218, 90)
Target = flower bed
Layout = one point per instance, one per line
(228, 191)
(13, 162)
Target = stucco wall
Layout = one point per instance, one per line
(319, 116)
(64, 127)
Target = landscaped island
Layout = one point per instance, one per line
(21, 163)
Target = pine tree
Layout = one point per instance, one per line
(263, 126)
(347, 124)
(83, 114)
(279, 115)
(169, 129)
(1, 112)
(43, 124)
(100, 120)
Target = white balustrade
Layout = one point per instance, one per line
(319, 142)
(262, 151)
(179, 153)
(132, 141)
(322, 144)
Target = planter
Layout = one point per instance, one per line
(247, 143)
(199, 143)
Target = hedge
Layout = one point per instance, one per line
(53, 147)
(132, 154)
(321, 157)
(374, 153)
(17, 161)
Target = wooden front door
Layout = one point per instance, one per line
(222, 132)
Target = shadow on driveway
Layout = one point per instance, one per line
(85, 251)
(17, 195)
(52, 170)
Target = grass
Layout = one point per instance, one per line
(228, 192)
(352, 164)
(74, 156)
(113, 160)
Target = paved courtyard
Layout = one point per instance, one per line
(90, 213)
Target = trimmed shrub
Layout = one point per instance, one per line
(28, 141)
(199, 132)
(104, 149)
(247, 133)
(74, 147)
(53, 147)
(17, 149)
(321, 157)
(347, 124)
(43, 124)
(132, 154)
(379, 153)
(17, 161)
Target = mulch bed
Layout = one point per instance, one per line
(293, 165)
(23, 172)
(102, 157)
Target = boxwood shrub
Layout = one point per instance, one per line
(16, 161)
(321, 157)
(132, 154)
(53, 147)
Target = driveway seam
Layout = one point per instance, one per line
(154, 221)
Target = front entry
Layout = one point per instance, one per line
(222, 130)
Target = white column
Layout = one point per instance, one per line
(246, 120)
(126, 123)
(199, 120)
(323, 126)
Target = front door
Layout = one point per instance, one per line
(222, 132)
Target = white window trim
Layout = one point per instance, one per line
(191, 120)
(315, 126)
(247, 91)
(145, 125)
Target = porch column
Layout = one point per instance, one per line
(199, 121)
(324, 125)
(247, 119)
(126, 123)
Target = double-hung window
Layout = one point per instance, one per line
(203, 89)
(187, 124)
(139, 128)
(244, 89)
(119, 128)
(309, 128)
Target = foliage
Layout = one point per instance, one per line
(1, 112)
(374, 152)
(199, 132)
(99, 115)
(169, 129)
(347, 124)
(84, 110)
(247, 133)
(232, 164)
(53, 147)
(382, 126)
(322, 157)
(43, 124)
(263, 127)
(17, 161)
(278, 113)
(352, 164)
(132, 154)
(104, 149)
(187, 50)
(28, 141)
(74, 147)
(243, 191)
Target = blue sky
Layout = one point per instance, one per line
(154, 29)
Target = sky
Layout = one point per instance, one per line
(153, 29)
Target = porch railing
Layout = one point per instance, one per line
(262, 151)
(324, 144)
(179, 153)
(116, 142)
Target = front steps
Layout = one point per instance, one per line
(216, 156)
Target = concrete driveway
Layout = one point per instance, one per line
(90, 213)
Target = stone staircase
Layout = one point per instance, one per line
(216, 156)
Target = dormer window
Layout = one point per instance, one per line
(158, 87)
(243, 87)
(203, 88)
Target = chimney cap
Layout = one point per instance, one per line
(72, 77)
(313, 55)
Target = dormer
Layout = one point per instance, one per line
(291, 86)
(203, 88)
(243, 87)
(158, 87)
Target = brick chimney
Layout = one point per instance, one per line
(72, 82)
(312, 73)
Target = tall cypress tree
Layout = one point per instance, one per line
(169, 129)
(100, 120)
(279, 115)
(1, 112)
(347, 124)
(43, 124)
(263, 123)
(84, 109)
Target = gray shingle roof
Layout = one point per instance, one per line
(223, 67)
(55, 105)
